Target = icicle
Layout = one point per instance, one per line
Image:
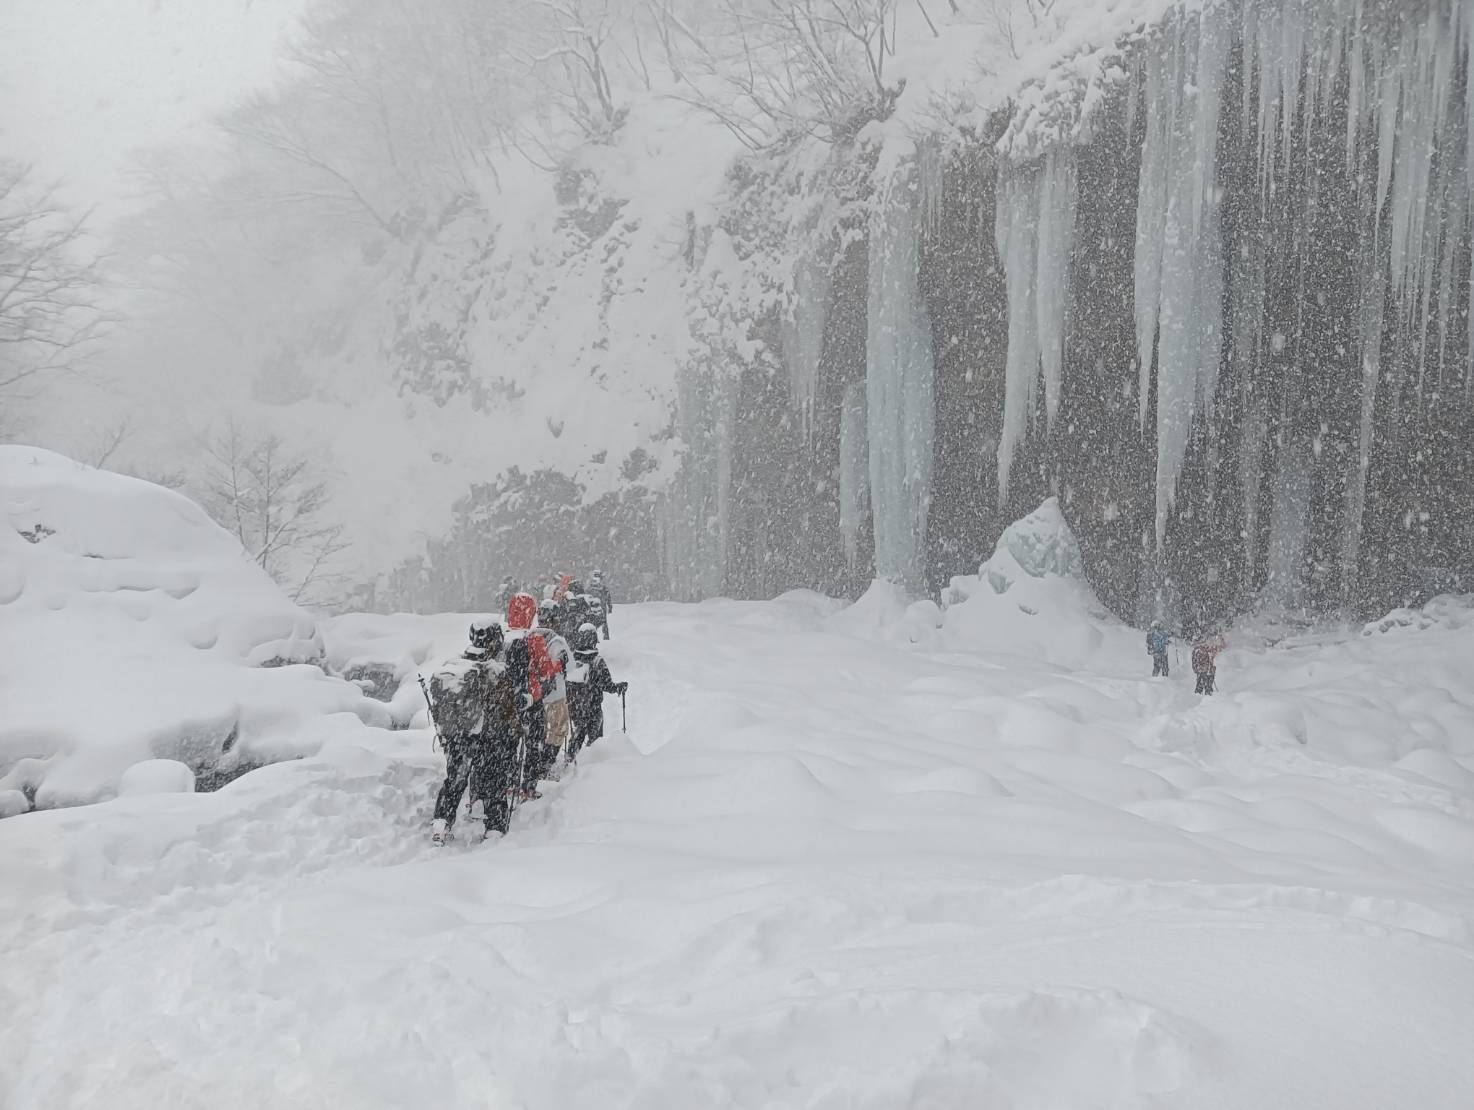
(802, 329)
(1055, 242)
(1179, 268)
(852, 470)
(900, 413)
(1035, 233)
(931, 182)
(1466, 15)
(1151, 221)
(1015, 232)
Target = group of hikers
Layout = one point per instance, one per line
(1204, 656)
(527, 689)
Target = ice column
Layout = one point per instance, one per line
(853, 461)
(900, 413)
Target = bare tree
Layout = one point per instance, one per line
(275, 503)
(765, 67)
(49, 311)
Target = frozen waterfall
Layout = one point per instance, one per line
(900, 409)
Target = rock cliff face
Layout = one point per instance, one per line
(1212, 291)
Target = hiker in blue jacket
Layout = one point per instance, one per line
(1157, 642)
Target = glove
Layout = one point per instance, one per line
(621, 687)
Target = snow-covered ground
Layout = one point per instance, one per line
(830, 867)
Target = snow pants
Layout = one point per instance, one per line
(556, 713)
(1205, 681)
(540, 755)
(486, 767)
(1159, 665)
(588, 725)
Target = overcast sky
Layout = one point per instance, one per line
(83, 82)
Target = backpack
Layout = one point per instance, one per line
(1202, 659)
(460, 693)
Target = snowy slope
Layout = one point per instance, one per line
(132, 628)
(829, 871)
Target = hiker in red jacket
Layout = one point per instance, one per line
(1205, 662)
(533, 671)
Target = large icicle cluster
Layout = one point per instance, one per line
(1178, 265)
(1035, 230)
(900, 411)
(1397, 70)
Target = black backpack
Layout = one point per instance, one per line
(460, 693)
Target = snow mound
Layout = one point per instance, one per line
(1031, 598)
(156, 776)
(132, 629)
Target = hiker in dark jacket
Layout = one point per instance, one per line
(474, 705)
(600, 589)
(588, 681)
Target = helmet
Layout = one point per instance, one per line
(598, 576)
(586, 640)
(547, 610)
(575, 587)
(486, 633)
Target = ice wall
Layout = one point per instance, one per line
(1394, 75)
(900, 409)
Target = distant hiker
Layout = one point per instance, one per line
(600, 589)
(532, 671)
(588, 681)
(475, 710)
(555, 698)
(577, 607)
(505, 592)
(1205, 662)
(1157, 642)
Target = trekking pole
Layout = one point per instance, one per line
(516, 797)
(438, 743)
(624, 717)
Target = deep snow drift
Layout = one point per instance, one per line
(833, 868)
(133, 629)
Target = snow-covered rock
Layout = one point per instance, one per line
(132, 628)
(1031, 598)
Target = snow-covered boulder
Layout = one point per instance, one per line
(156, 776)
(132, 628)
(1031, 598)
